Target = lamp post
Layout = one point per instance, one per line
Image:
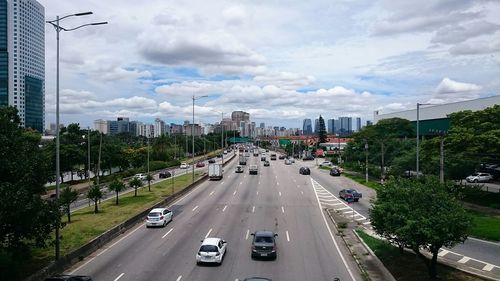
(366, 162)
(58, 28)
(192, 132)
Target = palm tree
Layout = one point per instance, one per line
(67, 196)
(149, 178)
(95, 194)
(117, 185)
(135, 183)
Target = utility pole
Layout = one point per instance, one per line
(88, 155)
(441, 159)
(366, 162)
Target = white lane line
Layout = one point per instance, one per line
(224, 208)
(282, 209)
(167, 233)
(257, 193)
(279, 193)
(179, 278)
(348, 212)
(367, 222)
(208, 233)
(220, 183)
(335, 204)
(195, 208)
(253, 209)
(463, 260)
(313, 182)
(212, 193)
(277, 183)
(234, 192)
(443, 253)
(241, 182)
(360, 219)
(340, 209)
(259, 182)
(119, 276)
(248, 233)
(488, 267)
(287, 236)
(302, 192)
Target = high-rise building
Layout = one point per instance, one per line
(331, 126)
(358, 124)
(262, 125)
(316, 126)
(100, 125)
(307, 127)
(22, 45)
(345, 125)
(368, 123)
(160, 128)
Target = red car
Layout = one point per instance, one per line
(200, 164)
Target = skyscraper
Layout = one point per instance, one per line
(358, 124)
(307, 127)
(22, 41)
(331, 126)
(316, 125)
(345, 125)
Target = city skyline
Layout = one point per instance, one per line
(280, 76)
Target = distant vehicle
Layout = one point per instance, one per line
(142, 177)
(159, 217)
(263, 158)
(184, 166)
(215, 171)
(292, 159)
(350, 195)
(212, 250)
(281, 157)
(257, 279)
(267, 164)
(308, 158)
(253, 170)
(264, 244)
(243, 160)
(200, 164)
(238, 169)
(225, 151)
(255, 152)
(288, 162)
(409, 174)
(341, 170)
(164, 175)
(273, 156)
(71, 278)
(335, 172)
(247, 154)
(326, 164)
(211, 160)
(479, 177)
(304, 171)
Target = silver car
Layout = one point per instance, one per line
(159, 217)
(479, 177)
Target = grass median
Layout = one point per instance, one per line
(85, 225)
(485, 226)
(407, 266)
(361, 179)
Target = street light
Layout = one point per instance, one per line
(192, 132)
(58, 28)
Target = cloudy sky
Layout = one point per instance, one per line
(282, 61)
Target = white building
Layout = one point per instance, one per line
(101, 126)
(26, 61)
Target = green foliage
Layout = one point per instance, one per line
(25, 218)
(66, 197)
(117, 186)
(322, 130)
(135, 183)
(149, 178)
(485, 226)
(95, 194)
(420, 215)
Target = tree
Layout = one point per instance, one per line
(420, 215)
(25, 218)
(135, 183)
(67, 196)
(149, 178)
(322, 130)
(95, 194)
(116, 185)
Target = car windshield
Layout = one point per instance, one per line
(208, 248)
(263, 239)
(475, 174)
(154, 214)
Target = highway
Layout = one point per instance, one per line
(277, 199)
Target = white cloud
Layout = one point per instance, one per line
(459, 33)
(480, 47)
(286, 80)
(452, 91)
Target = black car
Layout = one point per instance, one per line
(335, 172)
(211, 160)
(281, 157)
(263, 158)
(264, 244)
(266, 164)
(69, 278)
(164, 175)
(304, 171)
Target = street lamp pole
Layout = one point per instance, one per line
(58, 28)
(366, 162)
(192, 134)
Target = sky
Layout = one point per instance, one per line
(281, 61)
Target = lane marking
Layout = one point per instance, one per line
(277, 183)
(259, 182)
(241, 182)
(248, 233)
(287, 236)
(179, 278)
(212, 193)
(282, 209)
(313, 182)
(464, 260)
(119, 276)
(208, 233)
(224, 208)
(234, 192)
(220, 183)
(279, 193)
(302, 192)
(167, 233)
(257, 193)
(348, 212)
(340, 209)
(443, 253)
(253, 209)
(488, 267)
(368, 222)
(195, 208)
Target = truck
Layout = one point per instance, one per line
(243, 160)
(215, 171)
(273, 156)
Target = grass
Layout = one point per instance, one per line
(485, 226)
(359, 179)
(407, 266)
(85, 225)
(482, 198)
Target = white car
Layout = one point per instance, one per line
(142, 177)
(292, 159)
(212, 250)
(288, 162)
(326, 164)
(159, 217)
(184, 166)
(479, 177)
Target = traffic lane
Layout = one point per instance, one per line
(478, 249)
(141, 240)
